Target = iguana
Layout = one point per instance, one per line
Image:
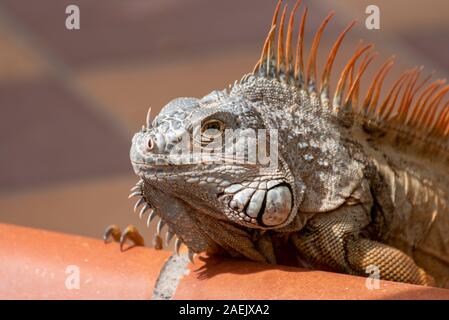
(357, 182)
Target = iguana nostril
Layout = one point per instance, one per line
(150, 144)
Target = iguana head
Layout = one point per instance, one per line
(212, 170)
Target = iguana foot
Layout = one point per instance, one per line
(112, 232)
(130, 233)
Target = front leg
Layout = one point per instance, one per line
(334, 240)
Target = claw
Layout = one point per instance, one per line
(131, 233)
(159, 227)
(138, 203)
(143, 210)
(178, 243)
(112, 231)
(191, 256)
(168, 236)
(137, 187)
(134, 194)
(151, 217)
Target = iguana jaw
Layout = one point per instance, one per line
(192, 225)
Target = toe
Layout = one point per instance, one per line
(132, 234)
(112, 232)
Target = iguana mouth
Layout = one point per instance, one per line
(166, 163)
(155, 171)
(162, 167)
(158, 165)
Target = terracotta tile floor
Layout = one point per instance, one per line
(70, 100)
(50, 135)
(18, 60)
(114, 30)
(127, 91)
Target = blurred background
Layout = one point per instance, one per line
(70, 100)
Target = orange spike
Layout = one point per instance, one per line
(427, 109)
(379, 87)
(265, 49)
(311, 66)
(353, 91)
(437, 113)
(276, 13)
(412, 96)
(257, 66)
(421, 85)
(281, 53)
(271, 43)
(438, 125)
(446, 123)
(445, 120)
(424, 107)
(416, 107)
(355, 95)
(270, 55)
(351, 70)
(433, 107)
(379, 77)
(288, 50)
(444, 117)
(325, 78)
(299, 60)
(388, 111)
(398, 84)
(405, 102)
(344, 74)
(351, 75)
(425, 96)
(446, 133)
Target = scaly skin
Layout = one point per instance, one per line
(347, 192)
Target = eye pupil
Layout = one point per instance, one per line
(212, 128)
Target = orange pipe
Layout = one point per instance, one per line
(236, 279)
(37, 264)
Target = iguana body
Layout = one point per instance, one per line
(356, 183)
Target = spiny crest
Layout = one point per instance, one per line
(411, 106)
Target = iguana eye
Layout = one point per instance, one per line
(212, 129)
